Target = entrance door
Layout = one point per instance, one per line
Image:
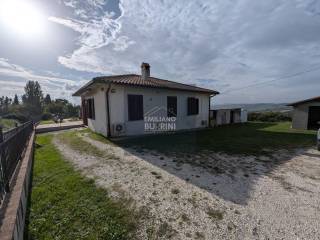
(314, 117)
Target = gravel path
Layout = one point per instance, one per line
(212, 196)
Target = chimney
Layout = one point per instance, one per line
(145, 70)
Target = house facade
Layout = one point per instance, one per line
(306, 114)
(128, 105)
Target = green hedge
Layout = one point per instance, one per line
(269, 117)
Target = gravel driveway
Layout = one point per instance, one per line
(211, 195)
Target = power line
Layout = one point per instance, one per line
(273, 80)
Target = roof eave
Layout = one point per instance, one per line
(85, 87)
(99, 80)
(316, 99)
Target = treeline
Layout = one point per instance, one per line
(269, 116)
(34, 106)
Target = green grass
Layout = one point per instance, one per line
(249, 138)
(44, 122)
(66, 205)
(96, 136)
(7, 124)
(73, 140)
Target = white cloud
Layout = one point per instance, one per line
(235, 42)
(94, 34)
(18, 75)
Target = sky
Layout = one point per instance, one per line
(249, 51)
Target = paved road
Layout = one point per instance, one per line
(58, 126)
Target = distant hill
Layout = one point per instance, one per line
(257, 107)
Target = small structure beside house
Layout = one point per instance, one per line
(126, 105)
(306, 113)
(228, 116)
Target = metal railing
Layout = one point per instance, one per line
(12, 145)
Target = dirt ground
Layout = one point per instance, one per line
(211, 195)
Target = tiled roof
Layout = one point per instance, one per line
(315, 99)
(137, 80)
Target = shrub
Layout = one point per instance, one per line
(15, 116)
(46, 116)
(269, 117)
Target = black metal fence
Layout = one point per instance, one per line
(12, 145)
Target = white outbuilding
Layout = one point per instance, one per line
(228, 116)
(126, 105)
(306, 114)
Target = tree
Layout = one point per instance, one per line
(47, 99)
(33, 96)
(15, 100)
(71, 110)
(61, 101)
(24, 99)
(7, 102)
(55, 108)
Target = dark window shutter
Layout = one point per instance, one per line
(171, 106)
(93, 109)
(193, 106)
(89, 108)
(135, 107)
(196, 106)
(86, 102)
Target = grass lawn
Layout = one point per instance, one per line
(7, 123)
(72, 139)
(66, 205)
(249, 138)
(43, 122)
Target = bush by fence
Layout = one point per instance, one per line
(269, 117)
(15, 116)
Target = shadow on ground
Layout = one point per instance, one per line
(201, 158)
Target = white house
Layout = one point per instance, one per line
(306, 114)
(126, 105)
(228, 116)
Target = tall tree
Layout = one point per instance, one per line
(5, 104)
(15, 100)
(33, 95)
(47, 99)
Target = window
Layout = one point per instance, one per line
(135, 107)
(193, 106)
(171, 106)
(91, 110)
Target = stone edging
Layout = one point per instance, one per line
(13, 221)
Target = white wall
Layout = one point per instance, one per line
(152, 98)
(300, 115)
(99, 124)
(223, 116)
(244, 115)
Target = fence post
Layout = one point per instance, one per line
(6, 184)
(1, 134)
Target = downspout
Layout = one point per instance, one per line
(108, 112)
